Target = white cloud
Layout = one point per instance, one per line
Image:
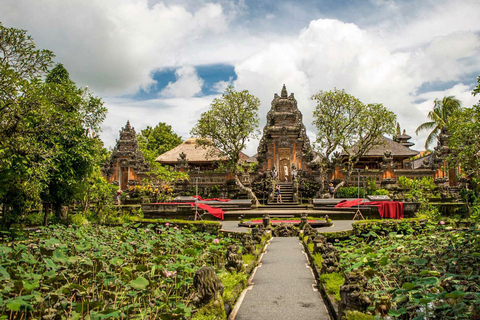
(220, 86)
(114, 46)
(187, 85)
(180, 113)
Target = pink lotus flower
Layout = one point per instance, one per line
(169, 274)
(175, 228)
(442, 222)
(216, 241)
(167, 224)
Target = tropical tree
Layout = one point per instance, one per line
(158, 140)
(229, 124)
(439, 116)
(154, 142)
(23, 160)
(344, 124)
(79, 116)
(47, 142)
(464, 141)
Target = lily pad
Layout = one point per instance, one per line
(140, 283)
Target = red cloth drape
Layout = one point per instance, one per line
(216, 212)
(386, 209)
(349, 203)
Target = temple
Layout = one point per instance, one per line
(284, 142)
(126, 166)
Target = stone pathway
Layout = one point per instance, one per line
(283, 286)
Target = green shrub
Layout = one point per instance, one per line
(77, 220)
(230, 281)
(349, 192)
(332, 282)
(381, 192)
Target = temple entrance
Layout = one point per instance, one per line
(124, 178)
(284, 160)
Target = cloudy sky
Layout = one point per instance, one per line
(164, 61)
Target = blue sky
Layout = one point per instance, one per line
(165, 61)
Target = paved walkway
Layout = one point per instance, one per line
(283, 286)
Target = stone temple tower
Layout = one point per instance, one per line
(126, 166)
(284, 141)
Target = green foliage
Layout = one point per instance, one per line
(212, 311)
(317, 258)
(47, 140)
(77, 220)
(431, 271)
(345, 124)
(349, 192)
(230, 282)
(333, 282)
(156, 141)
(440, 118)
(381, 192)
(229, 124)
(129, 271)
(463, 142)
(310, 246)
(357, 315)
(248, 258)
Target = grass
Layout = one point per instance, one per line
(230, 281)
(332, 282)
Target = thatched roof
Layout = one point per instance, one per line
(195, 154)
(397, 149)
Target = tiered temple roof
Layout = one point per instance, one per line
(127, 165)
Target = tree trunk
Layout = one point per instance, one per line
(46, 209)
(247, 190)
(60, 212)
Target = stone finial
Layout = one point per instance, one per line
(284, 92)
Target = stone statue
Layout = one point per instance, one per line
(285, 230)
(234, 259)
(207, 285)
(248, 244)
(351, 294)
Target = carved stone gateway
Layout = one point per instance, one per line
(284, 142)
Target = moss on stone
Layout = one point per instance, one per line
(214, 310)
(356, 315)
(333, 282)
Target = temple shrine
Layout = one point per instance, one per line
(126, 166)
(284, 144)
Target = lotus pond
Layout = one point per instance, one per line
(106, 272)
(424, 274)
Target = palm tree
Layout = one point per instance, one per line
(442, 110)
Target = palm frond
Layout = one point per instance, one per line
(431, 138)
(426, 126)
